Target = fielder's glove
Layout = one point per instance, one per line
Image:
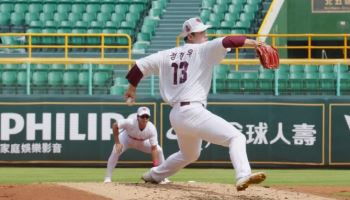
(268, 56)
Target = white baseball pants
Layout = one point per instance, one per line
(128, 142)
(194, 123)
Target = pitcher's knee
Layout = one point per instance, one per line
(239, 137)
(191, 157)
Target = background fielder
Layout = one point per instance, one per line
(138, 133)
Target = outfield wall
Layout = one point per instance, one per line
(305, 131)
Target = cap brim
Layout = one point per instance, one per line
(198, 29)
(144, 113)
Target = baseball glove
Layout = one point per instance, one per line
(268, 56)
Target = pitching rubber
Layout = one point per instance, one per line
(254, 178)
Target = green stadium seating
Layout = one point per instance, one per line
(220, 8)
(326, 69)
(64, 8)
(70, 81)
(266, 82)
(296, 82)
(21, 8)
(344, 82)
(55, 79)
(35, 8)
(58, 17)
(93, 8)
(78, 8)
(49, 8)
(21, 82)
(282, 80)
(233, 82)
(327, 83)
(83, 82)
(296, 69)
(39, 82)
(117, 90)
(312, 83)
(103, 17)
(235, 8)
(57, 67)
(4, 19)
(100, 81)
(250, 82)
(9, 80)
(121, 8)
(311, 69)
(6, 7)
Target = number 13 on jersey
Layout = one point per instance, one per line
(180, 72)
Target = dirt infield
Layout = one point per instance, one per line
(173, 191)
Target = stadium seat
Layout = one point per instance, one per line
(35, 7)
(21, 8)
(49, 8)
(39, 82)
(63, 8)
(327, 83)
(121, 8)
(282, 80)
(312, 83)
(9, 80)
(6, 7)
(100, 81)
(70, 80)
(296, 82)
(78, 8)
(233, 82)
(344, 82)
(250, 82)
(311, 69)
(83, 82)
(266, 82)
(21, 82)
(326, 68)
(93, 8)
(116, 90)
(296, 69)
(55, 79)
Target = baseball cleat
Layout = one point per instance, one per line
(107, 180)
(165, 181)
(148, 178)
(254, 178)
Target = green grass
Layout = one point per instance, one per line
(315, 177)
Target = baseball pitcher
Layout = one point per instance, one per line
(185, 75)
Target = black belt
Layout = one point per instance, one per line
(185, 103)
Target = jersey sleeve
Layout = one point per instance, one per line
(154, 139)
(150, 64)
(123, 123)
(213, 51)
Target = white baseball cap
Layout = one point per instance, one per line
(193, 25)
(143, 111)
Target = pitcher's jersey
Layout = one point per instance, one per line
(184, 72)
(131, 126)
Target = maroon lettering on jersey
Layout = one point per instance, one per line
(182, 55)
(189, 52)
(173, 56)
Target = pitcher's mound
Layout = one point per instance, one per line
(186, 191)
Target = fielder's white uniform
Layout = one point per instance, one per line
(185, 76)
(133, 137)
